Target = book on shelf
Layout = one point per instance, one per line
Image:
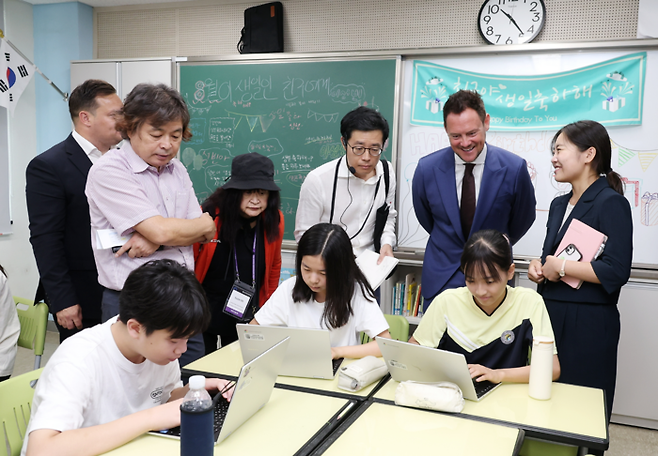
(407, 297)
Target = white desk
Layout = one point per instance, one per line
(282, 427)
(392, 430)
(574, 415)
(227, 362)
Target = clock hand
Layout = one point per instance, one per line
(512, 20)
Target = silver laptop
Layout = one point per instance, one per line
(309, 350)
(251, 392)
(407, 361)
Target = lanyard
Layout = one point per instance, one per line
(333, 199)
(253, 261)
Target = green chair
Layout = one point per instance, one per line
(15, 408)
(34, 322)
(398, 326)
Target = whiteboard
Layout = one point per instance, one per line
(636, 163)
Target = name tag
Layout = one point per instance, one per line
(238, 299)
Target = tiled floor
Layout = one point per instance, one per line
(624, 440)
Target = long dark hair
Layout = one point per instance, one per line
(332, 244)
(228, 202)
(485, 250)
(588, 133)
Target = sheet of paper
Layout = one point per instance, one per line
(109, 238)
(375, 273)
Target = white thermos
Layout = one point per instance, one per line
(541, 368)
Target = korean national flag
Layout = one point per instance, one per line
(15, 74)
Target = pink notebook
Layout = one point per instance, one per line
(581, 242)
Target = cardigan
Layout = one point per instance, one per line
(203, 254)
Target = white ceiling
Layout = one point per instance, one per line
(99, 3)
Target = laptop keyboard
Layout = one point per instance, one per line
(219, 415)
(483, 387)
(335, 364)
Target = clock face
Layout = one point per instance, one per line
(511, 21)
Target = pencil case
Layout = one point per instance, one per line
(442, 396)
(361, 373)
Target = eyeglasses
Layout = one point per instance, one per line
(360, 150)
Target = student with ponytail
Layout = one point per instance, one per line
(586, 320)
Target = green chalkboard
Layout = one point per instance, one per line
(289, 111)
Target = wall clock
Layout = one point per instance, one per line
(511, 21)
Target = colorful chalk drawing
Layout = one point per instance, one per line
(625, 154)
(333, 117)
(649, 210)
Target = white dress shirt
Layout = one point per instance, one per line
(354, 198)
(92, 151)
(478, 170)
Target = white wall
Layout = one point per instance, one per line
(15, 249)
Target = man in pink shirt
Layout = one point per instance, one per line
(141, 191)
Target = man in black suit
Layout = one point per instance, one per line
(59, 213)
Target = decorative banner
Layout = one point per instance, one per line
(609, 92)
(646, 157)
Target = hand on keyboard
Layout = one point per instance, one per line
(480, 373)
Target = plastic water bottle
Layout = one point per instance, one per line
(197, 437)
(541, 368)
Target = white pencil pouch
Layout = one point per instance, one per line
(442, 396)
(361, 373)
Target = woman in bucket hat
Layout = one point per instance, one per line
(239, 269)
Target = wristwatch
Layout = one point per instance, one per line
(562, 274)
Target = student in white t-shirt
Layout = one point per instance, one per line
(108, 384)
(328, 292)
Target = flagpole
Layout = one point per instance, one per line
(54, 86)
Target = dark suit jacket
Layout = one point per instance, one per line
(506, 202)
(60, 228)
(607, 211)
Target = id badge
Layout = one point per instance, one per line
(238, 299)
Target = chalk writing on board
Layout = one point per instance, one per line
(198, 129)
(214, 155)
(319, 139)
(221, 130)
(347, 93)
(216, 175)
(252, 88)
(294, 88)
(268, 147)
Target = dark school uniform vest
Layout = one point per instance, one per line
(510, 349)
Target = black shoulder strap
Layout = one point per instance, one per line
(386, 177)
(333, 194)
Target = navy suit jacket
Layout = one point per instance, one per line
(506, 202)
(60, 228)
(606, 211)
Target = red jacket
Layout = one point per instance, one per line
(203, 254)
